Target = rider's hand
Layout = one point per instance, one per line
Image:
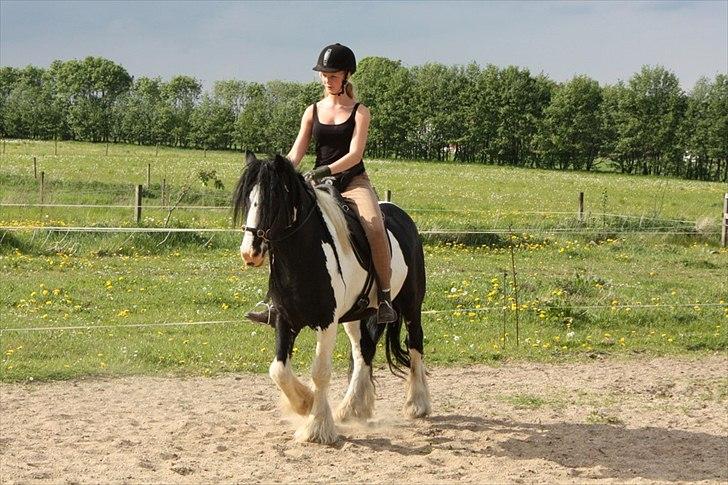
(317, 174)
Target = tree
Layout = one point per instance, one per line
(570, 134)
(212, 124)
(253, 123)
(649, 116)
(180, 96)
(437, 115)
(384, 86)
(522, 100)
(90, 88)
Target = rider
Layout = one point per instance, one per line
(340, 126)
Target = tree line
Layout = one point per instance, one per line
(466, 113)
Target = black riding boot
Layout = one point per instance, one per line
(266, 316)
(385, 312)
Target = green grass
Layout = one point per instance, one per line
(438, 195)
(579, 295)
(463, 316)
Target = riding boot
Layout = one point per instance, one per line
(385, 312)
(266, 317)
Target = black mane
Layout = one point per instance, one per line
(282, 188)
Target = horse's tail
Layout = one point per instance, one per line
(397, 354)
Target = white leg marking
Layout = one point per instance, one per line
(417, 404)
(319, 427)
(295, 394)
(358, 403)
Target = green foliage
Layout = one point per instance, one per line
(496, 115)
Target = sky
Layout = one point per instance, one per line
(262, 41)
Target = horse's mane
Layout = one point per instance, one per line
(331, 208)
(268, 175)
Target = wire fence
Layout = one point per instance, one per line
(494, 212)
(666, 230)
(424, 312)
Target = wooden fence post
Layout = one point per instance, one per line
(724, 233)
(35, 168)
(149, 174)
(138, 190)
(164, 187)
(388, 195)
(42, 186)
(581, 207)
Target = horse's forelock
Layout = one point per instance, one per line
(241, 195)
(280, 188)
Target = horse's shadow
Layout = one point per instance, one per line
(615, 451)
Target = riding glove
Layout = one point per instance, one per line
(317, 174)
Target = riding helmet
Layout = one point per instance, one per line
(336, 57)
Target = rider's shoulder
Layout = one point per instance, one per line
(362, 110)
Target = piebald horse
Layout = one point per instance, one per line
(316, 279)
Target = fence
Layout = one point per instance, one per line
(138, 198)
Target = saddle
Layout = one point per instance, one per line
(362, 252)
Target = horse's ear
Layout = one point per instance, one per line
(281, 161)
(249, 157)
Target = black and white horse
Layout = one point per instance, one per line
(316, 279)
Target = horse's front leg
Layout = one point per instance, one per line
(319, 426)
(295, 394)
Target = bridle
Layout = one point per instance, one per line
(287, 231)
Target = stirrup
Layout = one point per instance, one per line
(267, 305)
(387, 314)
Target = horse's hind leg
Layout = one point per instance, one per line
(358, 403)
(417, 403)
(319, 426)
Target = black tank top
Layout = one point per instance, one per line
(333, 142)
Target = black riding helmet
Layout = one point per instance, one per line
(336, 57)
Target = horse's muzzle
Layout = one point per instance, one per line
(251, 258)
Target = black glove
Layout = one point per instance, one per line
(317, 174)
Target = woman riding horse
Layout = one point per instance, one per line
(340, 126)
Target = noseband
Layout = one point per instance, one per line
(287, 232)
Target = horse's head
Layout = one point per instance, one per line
(268, 197)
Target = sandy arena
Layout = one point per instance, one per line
(638, 420)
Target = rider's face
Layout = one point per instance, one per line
(332, 80)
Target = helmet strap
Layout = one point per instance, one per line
(343, 84)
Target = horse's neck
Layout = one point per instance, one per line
(299, 263)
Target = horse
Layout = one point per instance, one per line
(316, 281)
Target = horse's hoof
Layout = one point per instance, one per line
(348, 411)
(414, 410)
(320, 431)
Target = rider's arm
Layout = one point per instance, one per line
(298, 150)
(358, 142)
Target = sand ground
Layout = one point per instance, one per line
(609, 420)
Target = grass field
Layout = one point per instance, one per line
(592, 291)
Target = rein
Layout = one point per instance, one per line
(265, 234)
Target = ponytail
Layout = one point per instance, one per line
(350, 90)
